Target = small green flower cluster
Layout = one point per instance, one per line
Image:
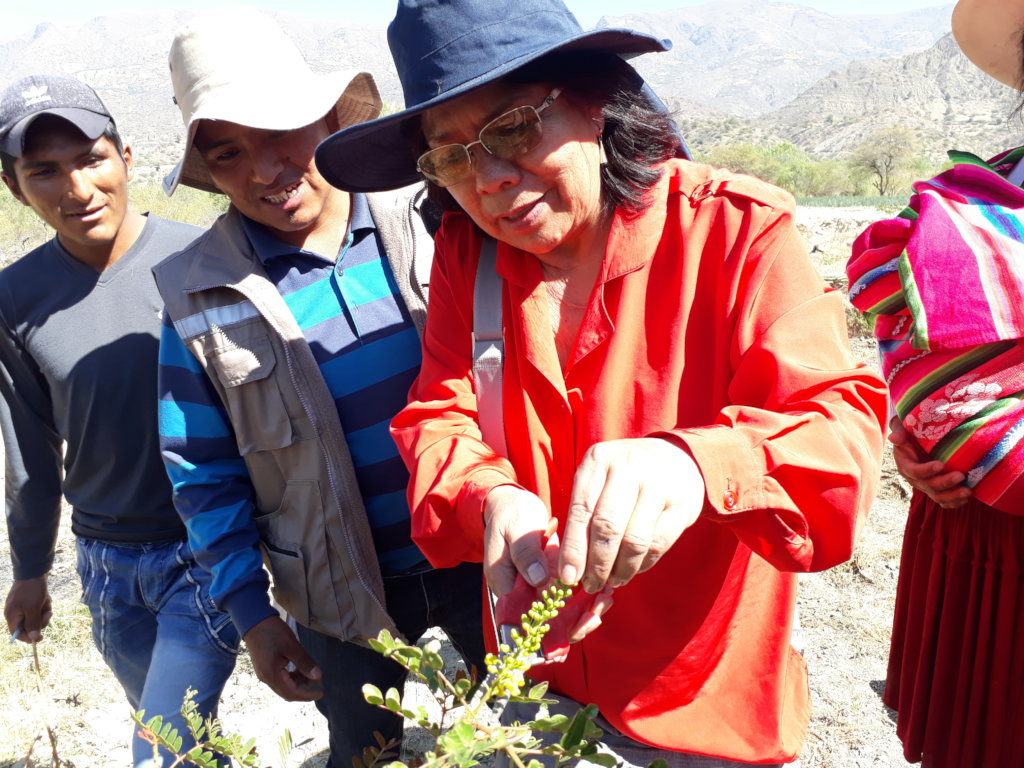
(509, 669)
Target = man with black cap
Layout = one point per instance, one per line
(79, 336)
(291, 341)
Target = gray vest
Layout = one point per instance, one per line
(313, 528)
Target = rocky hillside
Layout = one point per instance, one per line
(740, 70)
(936, 92)
(748, 57)
(124, 56)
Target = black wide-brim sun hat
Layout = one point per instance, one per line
(444, 49)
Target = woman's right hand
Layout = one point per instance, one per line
(520, 538)
(515, 523)
(943, 487)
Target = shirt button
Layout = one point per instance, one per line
(729, 499)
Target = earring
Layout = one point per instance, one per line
(602, 156)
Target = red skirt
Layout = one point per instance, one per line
(956, 664)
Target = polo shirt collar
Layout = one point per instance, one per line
(269, 247)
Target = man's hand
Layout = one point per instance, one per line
(281, 662)
(631, 500)
(943, 487)
(28, 606)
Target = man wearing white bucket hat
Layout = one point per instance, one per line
(291, 339)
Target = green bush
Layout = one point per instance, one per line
(188, 205)
(893, 203)
(21, 230)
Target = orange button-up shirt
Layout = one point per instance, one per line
(708, 325)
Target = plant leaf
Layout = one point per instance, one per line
(608, 761)
(574, 733)
(556, 723)
(393, 700)
(373, 695)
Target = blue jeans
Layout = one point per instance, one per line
(157, 629)
(448, 598)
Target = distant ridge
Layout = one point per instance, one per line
(748, 57)
(740, 70)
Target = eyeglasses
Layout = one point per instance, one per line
(509, 135)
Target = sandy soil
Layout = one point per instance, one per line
(845, 614)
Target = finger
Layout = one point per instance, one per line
(515, 522)
(294, 686)
(953, 503)
(671, 523)
(291, 673)
(609, 523)
(586, 488)
(912, 469)
(591, 619)
(899, 436)
(33, 622)
(527, 552)
(552, 547)
(307, 690)
(945, 482)
(14, 617)
(956, 497)
(499, 570)
(906, 448)
(302, 664)
(639, 537)
(305, 676)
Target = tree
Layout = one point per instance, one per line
(888, 156)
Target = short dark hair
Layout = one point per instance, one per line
(637, 135)
(110, 133)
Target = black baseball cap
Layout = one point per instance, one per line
(30, 97)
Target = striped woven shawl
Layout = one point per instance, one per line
(943, 284)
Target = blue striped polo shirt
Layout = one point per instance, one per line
(366, 345)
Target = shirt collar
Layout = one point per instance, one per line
(268, 246)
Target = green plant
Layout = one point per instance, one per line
(468, 729)
(211, 745)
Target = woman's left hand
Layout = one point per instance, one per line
(631, 500)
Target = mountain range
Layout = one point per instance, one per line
(738, 71)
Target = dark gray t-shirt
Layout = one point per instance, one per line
(78, 363)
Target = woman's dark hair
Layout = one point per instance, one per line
(110, 133)
(637, 137)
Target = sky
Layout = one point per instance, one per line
(25, 16)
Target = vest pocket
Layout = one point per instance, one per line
(295, 548)
(242, 358)
(280, 534)
(288, 571)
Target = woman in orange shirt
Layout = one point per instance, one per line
(678, 391)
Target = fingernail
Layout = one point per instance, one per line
(536, 574)
(583, 629)
(602, 603)
(569, 575)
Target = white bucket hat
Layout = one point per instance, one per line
(233, 63)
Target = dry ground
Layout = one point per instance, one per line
(846, 615)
